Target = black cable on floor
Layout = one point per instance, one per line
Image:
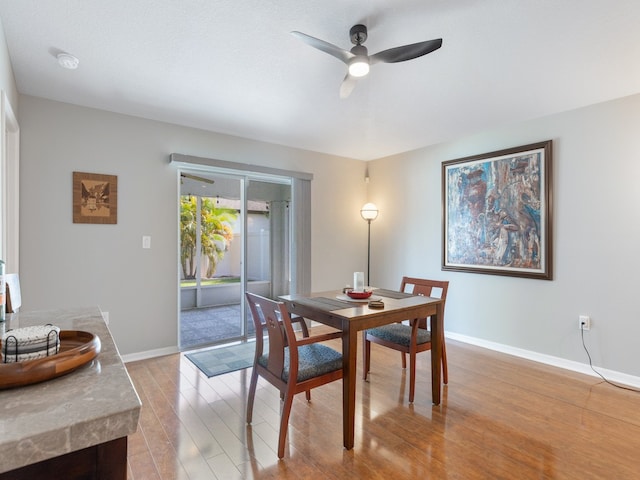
(598, 373)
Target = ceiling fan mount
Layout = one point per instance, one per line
(358, 34)
(358, 59)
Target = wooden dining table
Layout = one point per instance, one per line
(330, 308)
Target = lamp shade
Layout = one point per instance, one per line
(369, 212)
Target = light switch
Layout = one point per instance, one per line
(146, 241)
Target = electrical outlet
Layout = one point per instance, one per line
(584, 322)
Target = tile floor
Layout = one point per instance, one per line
(201, 327)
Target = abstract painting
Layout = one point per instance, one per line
(497, 212)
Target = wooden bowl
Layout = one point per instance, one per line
(76, 349)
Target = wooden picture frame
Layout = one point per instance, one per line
(496, 212)
(95, 198)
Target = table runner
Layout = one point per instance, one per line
(391, 293)
(323, 303)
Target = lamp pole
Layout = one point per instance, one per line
(368, 251)
(369, 212)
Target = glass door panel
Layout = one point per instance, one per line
(267, 241)
(211, 257)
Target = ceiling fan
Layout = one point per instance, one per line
(358, 59)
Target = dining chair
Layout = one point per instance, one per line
(412, 338)
(289, 363)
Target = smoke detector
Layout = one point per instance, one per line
(68, 61)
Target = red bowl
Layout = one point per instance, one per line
(359, 295)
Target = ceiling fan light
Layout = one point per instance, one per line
(359, 67)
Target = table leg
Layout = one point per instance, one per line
(349, 346)
(436, 354)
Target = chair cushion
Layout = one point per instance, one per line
(313, 360)
(400, 334)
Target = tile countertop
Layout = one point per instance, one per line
(94, 404)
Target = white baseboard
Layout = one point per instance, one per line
(611, 375)
(132, 357)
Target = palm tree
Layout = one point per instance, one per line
(188, 231)
(216, 233)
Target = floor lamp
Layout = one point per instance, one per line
(369, 212)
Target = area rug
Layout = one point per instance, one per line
(218, 360)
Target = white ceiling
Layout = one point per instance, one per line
(231, 66)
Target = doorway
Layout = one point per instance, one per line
(235, 232)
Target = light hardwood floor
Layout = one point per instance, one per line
(501, 418)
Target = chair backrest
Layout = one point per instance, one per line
(422, 286)
(271, 319)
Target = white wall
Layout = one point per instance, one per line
(65, 264)
(596, 235)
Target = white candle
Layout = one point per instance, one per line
(358, 281)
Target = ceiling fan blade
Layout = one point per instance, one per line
(197, 178)
(348, 84)
(406, 52)
(339, 53)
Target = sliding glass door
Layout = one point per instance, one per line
(235, 235)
